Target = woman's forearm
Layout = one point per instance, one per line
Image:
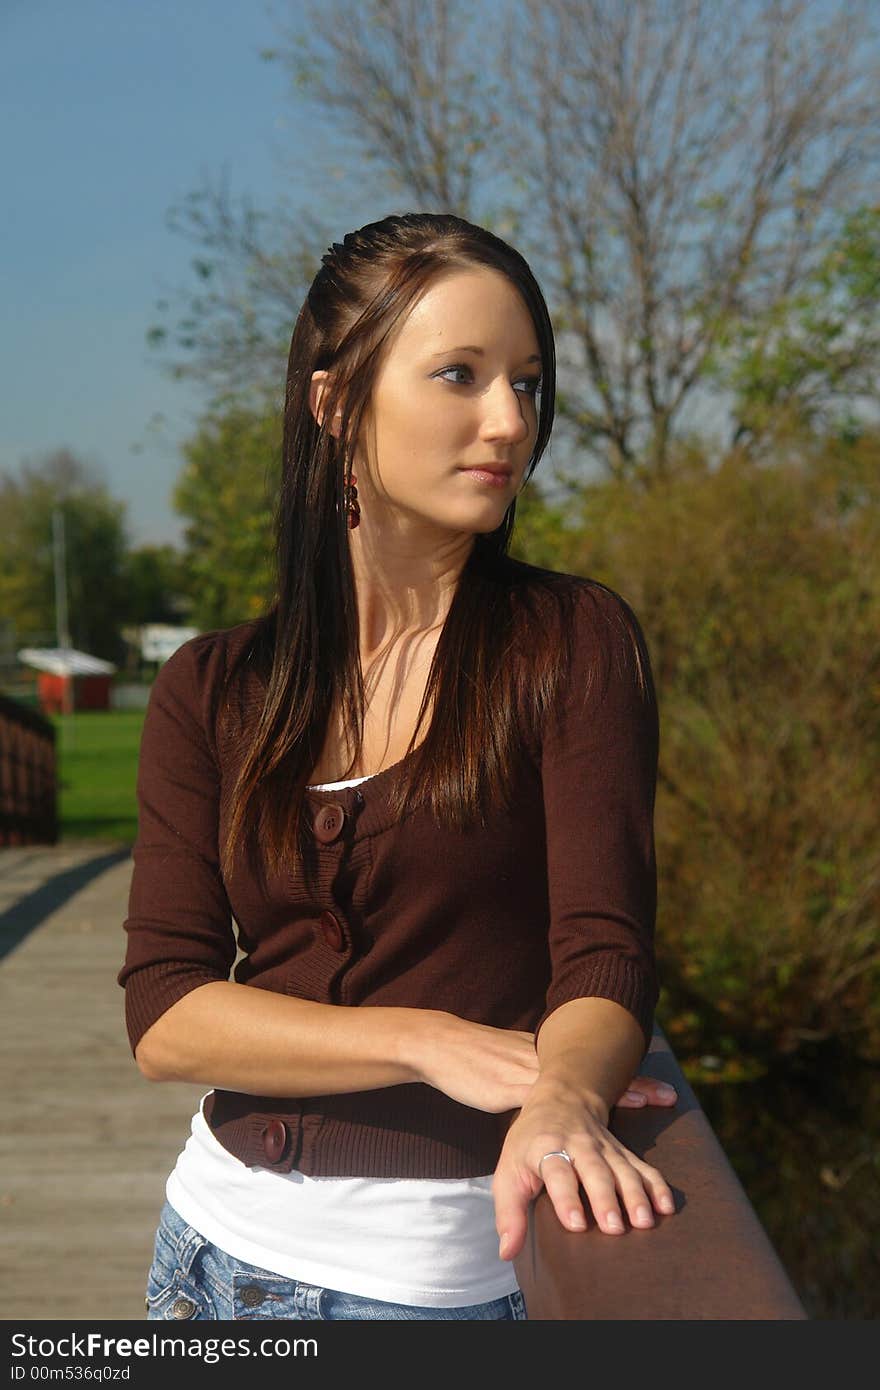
(239, 1038)
(593, 1046)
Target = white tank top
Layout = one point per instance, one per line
(423, 1241)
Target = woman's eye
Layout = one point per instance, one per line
(459, 368)
(533, 383)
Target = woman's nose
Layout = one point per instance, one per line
(505, 417)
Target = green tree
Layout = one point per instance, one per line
(226, 492)
(802, 362)
(95, 545)
(156, 582)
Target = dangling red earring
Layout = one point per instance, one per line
(352, 507)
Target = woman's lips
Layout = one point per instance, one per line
(491, 477)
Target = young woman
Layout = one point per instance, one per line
(421, 787)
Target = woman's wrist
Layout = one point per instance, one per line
(591, 1046)
(559, 1083)
(417, 1040)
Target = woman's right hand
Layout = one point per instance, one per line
(491, 1069)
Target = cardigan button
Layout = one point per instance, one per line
(328, 822)
(275, 1137)
(333, 933)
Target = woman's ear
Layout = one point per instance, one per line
(318, 389)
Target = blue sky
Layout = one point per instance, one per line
(112, 112)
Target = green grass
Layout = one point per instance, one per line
(97, 754)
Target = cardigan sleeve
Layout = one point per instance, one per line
(599, 775)
(179, 923)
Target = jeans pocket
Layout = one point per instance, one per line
(179, 1302)
(164, 1264)
(172, 1289)
(518, 1306)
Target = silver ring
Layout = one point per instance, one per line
(556, 1153)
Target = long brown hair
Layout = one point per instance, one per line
(307, 645)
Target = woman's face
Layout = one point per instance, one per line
(455, 391)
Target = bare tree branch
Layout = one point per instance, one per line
(670, 150)
(670, 167)
(399, 73)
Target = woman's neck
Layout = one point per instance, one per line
(402, 588)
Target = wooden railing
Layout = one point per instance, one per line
(712, 1259)
(28, 780)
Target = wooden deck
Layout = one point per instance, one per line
(87, 1143)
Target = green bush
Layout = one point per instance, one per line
(758, 588)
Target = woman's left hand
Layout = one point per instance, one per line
(556, 1117)
(644, 1090)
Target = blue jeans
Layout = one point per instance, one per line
(190, 1278)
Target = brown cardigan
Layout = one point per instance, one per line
(552, 900)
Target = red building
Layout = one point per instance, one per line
(69, 680)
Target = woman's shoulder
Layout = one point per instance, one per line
(597, 628)
(197, 671)
(583, 601)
